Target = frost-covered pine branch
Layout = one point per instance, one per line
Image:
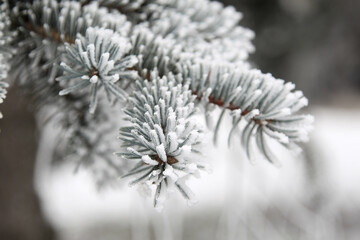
(163, 136)
(267, 105)
(144, 66)
(89, 141)
(204, 28)
(97, 60)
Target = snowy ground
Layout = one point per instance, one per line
(318, 198)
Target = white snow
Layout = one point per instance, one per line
(72, 204)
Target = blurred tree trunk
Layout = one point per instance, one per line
(21, 216)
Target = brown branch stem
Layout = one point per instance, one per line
(54, 35)
(231, 107)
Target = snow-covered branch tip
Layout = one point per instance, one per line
(267, 105)
(163, 136)
(98, 60)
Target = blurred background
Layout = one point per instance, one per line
(313, 43)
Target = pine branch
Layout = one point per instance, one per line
(59, 22)
(268, 105)
(154, 53)
(178, 54)
(46, 26)
(211, 30)
(37, 39)
(88, 141)
(62, 21)
(163, 136)
(98, 60)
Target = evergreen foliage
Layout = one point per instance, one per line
(164, 60)
(98, 60)
(163, 135)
